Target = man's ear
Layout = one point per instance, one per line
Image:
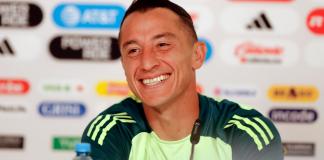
(199, 55)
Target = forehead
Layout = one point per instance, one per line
(155, 13)
(157, 19)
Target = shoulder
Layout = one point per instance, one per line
(112, 130)
(252, 136)
(227, 112)
(222, 111)
(245, 129)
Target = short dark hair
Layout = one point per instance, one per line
(145, 5)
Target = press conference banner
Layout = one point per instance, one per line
(60, 67)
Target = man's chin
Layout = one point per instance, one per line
(153, 102)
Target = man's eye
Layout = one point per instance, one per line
(163, 46)
(133, 51)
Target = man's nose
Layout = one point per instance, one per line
(149, 60)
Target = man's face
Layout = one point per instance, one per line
(158, 56)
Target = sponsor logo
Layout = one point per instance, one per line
(19, 14)
(299, 149)
(293, 115)
(209, 49)
(249, 52)
(65, 143)
(261, 22)
(6, 49)
(235, 91)
(315, 21)
(265, 20)
(62, 87)
(13, 86)
(88, 16)
(259, 51)
(315, 54)
(96, 48)
(293, 93)
(113, 88)
(11, 142)
(61, 109)
(12, 108)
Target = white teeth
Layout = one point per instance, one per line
(155, 80)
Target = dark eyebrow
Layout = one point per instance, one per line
(161, 35)
(165, 34)
(129, 42)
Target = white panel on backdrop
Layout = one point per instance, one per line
(314, 54)
(202, 16)
(265, 53)
(19, 47)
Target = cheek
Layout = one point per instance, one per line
(183, 59)
(129, 72)
(129, 77)
(178, 61)
(129, 69)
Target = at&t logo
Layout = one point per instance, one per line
(88, 16)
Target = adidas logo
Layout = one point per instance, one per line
(261, 22)
(5, 48)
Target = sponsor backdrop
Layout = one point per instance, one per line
(60, 66)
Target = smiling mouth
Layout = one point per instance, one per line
(155, 80)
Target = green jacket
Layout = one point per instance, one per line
(229, 132)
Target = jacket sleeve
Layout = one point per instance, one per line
(252, 136)
(107, 138)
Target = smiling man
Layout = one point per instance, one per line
(160, 54)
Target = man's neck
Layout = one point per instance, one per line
(175, 120)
